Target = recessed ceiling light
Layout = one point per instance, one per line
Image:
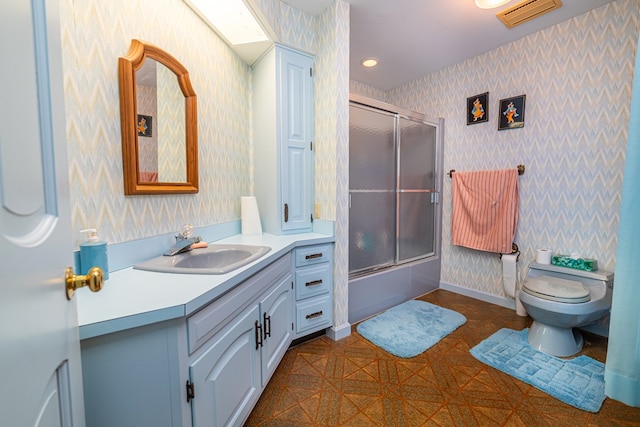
(369, 62)
(490, 4)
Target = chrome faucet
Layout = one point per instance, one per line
(183, 241)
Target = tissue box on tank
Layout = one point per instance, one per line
(586, 264)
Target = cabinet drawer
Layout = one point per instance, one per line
(203, 324)
(313, 255)
(315, 313)
(313, 281)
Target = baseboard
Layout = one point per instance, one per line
(337, 334)
(479, 295)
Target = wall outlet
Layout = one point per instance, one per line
(316, 213)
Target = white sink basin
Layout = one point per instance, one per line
(215, 259)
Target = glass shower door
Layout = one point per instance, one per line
(392, 188)
(372, 188)
(417, 192)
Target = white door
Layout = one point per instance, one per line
(40, 370)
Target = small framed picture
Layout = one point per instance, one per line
(478, 109)
(511, 115)
(144, 125)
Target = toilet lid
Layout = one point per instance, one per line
(557, 289)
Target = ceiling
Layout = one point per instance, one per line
(412, 38)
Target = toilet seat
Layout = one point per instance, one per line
(557, 289)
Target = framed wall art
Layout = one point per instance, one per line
(478, 109)
(511, 113)
(144, 125)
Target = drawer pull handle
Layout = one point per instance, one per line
(314, 282)
(314, 315)
(313, 256)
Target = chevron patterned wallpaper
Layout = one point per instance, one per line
(577, 79)
(94, 34)
(332, 142)
(368, 91)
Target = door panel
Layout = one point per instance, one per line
(297, 136)
(275, 311)
(227, 375)
(40, 369)
(417, 194)
(372, 188)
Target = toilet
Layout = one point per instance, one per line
(560, 300)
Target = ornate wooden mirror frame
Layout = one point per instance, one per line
(127, 67)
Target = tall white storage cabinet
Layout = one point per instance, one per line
(283, 140)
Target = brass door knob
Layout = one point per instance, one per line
(94, 280)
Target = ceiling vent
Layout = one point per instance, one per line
(526, 11)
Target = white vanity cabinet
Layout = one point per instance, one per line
(207, 369)
(283, 123)
(313, 279)
(231, 368)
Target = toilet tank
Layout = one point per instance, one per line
(598, 278)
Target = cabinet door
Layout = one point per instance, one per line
(226, 377)
(276, 317)
(296, 138)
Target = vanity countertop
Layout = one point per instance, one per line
(133, 298)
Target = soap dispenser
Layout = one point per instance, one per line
(93, 253)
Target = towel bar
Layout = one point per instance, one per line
(520, 171)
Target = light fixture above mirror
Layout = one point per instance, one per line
(237, 24)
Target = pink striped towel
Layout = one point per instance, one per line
(485, 209)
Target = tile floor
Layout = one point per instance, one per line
(352, 382)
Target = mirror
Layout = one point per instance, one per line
(158, 114)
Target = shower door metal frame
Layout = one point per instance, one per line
(438, 124)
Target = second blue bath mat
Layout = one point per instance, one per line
(578, 382)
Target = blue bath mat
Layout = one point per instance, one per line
(578, 382)
(410, 328)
